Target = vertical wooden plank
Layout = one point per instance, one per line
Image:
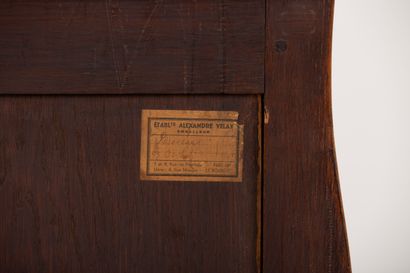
(304, 228)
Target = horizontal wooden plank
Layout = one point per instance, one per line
(113, 47)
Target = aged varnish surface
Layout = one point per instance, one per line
(72, 201)
(112, 46)
(303, 229)
(75, 77)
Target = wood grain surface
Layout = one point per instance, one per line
(71, 199)
(112, 46)
(303, 223)
(74, 77)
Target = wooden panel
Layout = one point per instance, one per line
(71, 199)
(80, 47)
(303, 228)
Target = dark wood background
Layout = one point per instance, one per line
(112, 46)
(74, 76)
(71, 199)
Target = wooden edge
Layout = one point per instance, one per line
(303, 223)
(259, 189)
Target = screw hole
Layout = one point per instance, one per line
(281, 46)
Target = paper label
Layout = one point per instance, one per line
(178, 145)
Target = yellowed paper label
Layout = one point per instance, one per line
(178, 145)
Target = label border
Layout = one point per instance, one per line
(236, 175)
